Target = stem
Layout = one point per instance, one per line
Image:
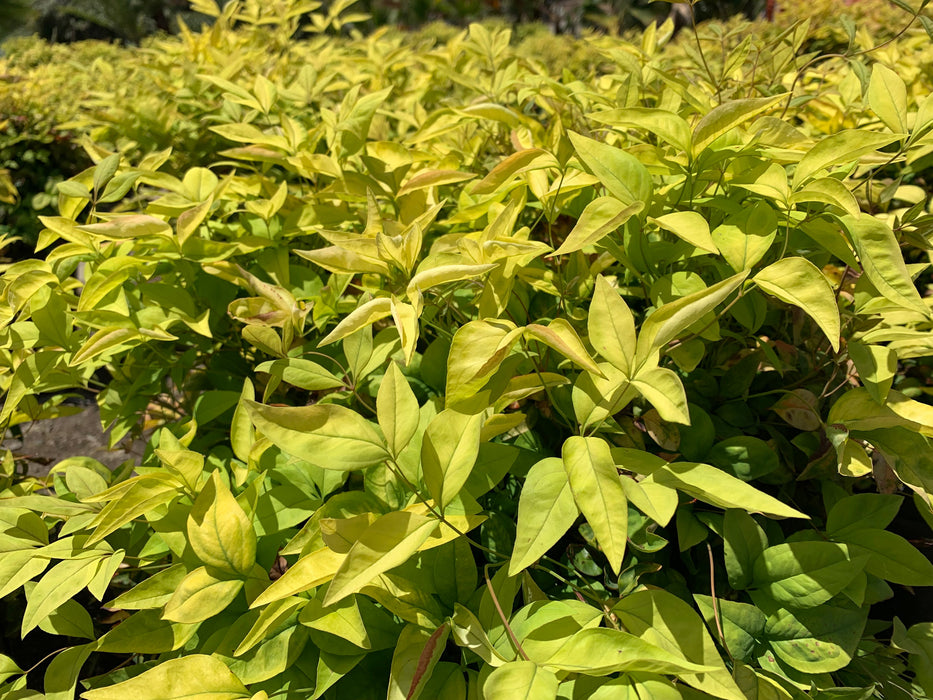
(495, 601)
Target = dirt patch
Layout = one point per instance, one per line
(44, 443)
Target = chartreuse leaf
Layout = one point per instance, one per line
(397, 410)
(743, 625)
(663, 619)
(364, 315)
(727, 116)
(799, 282)
(59, 584)
(561, 336)
(342, 619)
(201, 595)
(416, 655)
(301, 373)
(611, 326)
(621, 173)
(477, 350)
(890, 556)
(146, 632)
(882, 261)
(887, 97)
(327, 435)
(219, 532)
(817, 640)
(600, 651)
(271, 617)
(519, 162)
(805, 574)
(61, 677)
(664, 124)
(671, 319)
(600, 217)
(448, 453)
(312, 569)
(389, 542)
(843, 147)
(546, 510)
(520, 680)
(664, 390)
(598, 493)
(689, 226)
(876, 366)
(468, 632)
(195, 676)
(860, 512)
(8, 668)
(152, 592)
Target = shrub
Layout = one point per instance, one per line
(462, 378)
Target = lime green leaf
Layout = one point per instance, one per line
(714, 486)
(742, 624)
(883, 262)
(61, 677)
(518, 162)
(271, 617)
(330, 436)
(671, 319)
(689, 226)
(468, 632)
(195, 676)
(799, 282)
(520, 680)
(599, 652)
(219, 532)
(434, 276)
(59, 584)
(546, 510)
(818, 640)
(745, 238)
(342, 619)
(601, 217)
(621, 173)
(743, 543)
(663, 388)
(890, 556)
(129, 226)
(146, 633)
(70, 620)
(477, 350)
(389, 542)
(887, 97)
(828, 191)
(876, 366)
(654, 500)
(665, 125)
(561, 336)
(448, 453)
(311, 570)
(364, 315)
(611, 326)
(843, 147)
(861, 511)
(107, 340)
(397, 410)
(416, 655)
(805, 574)
(598, 493)
(663, 619)
(200, 596)
(727, 116)
(301, 373)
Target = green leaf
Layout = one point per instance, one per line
(744, 456)
(890, 556)
(342, 619)
(520, 680)
(799, 282)
(862, 511)
(195, 676)
(727, 116)
(689, 226)
(60, 583)
(611, 326)
(327, 435)
(271, 617)
(301, 373)
(8, 668)
(468, 633)
(70, 620)
(153, 592)
(416, 655)
(477, 350)
(61, 677)
(743, 543)
(665, 125)
(389, 542)
(146, 633)
(397, 410)
(743, 625)
(887, 97)
(876, 366)
(519, 162)
(200, 596)
(448, 453)
(843, 147)
(828, 191)
(818, 640)
(671, 319)
(598, 493)
(600, 217)
(664, 390)
(663, 619)
(561, 336)
(364, 315)
(745, 238)
(219, 532)
(621, 173)
(806, 574)
(600, 651)
(129, 226)
(714, 486)
(883, 262)
(546, 510)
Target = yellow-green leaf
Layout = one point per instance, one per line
(601, 217)
(449, 451)
(219, 532)
(887, 97)
(689, 226)
(191, 677)
(520, 680)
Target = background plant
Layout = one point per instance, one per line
(468, 376)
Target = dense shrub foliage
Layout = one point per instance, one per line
(468, 374)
